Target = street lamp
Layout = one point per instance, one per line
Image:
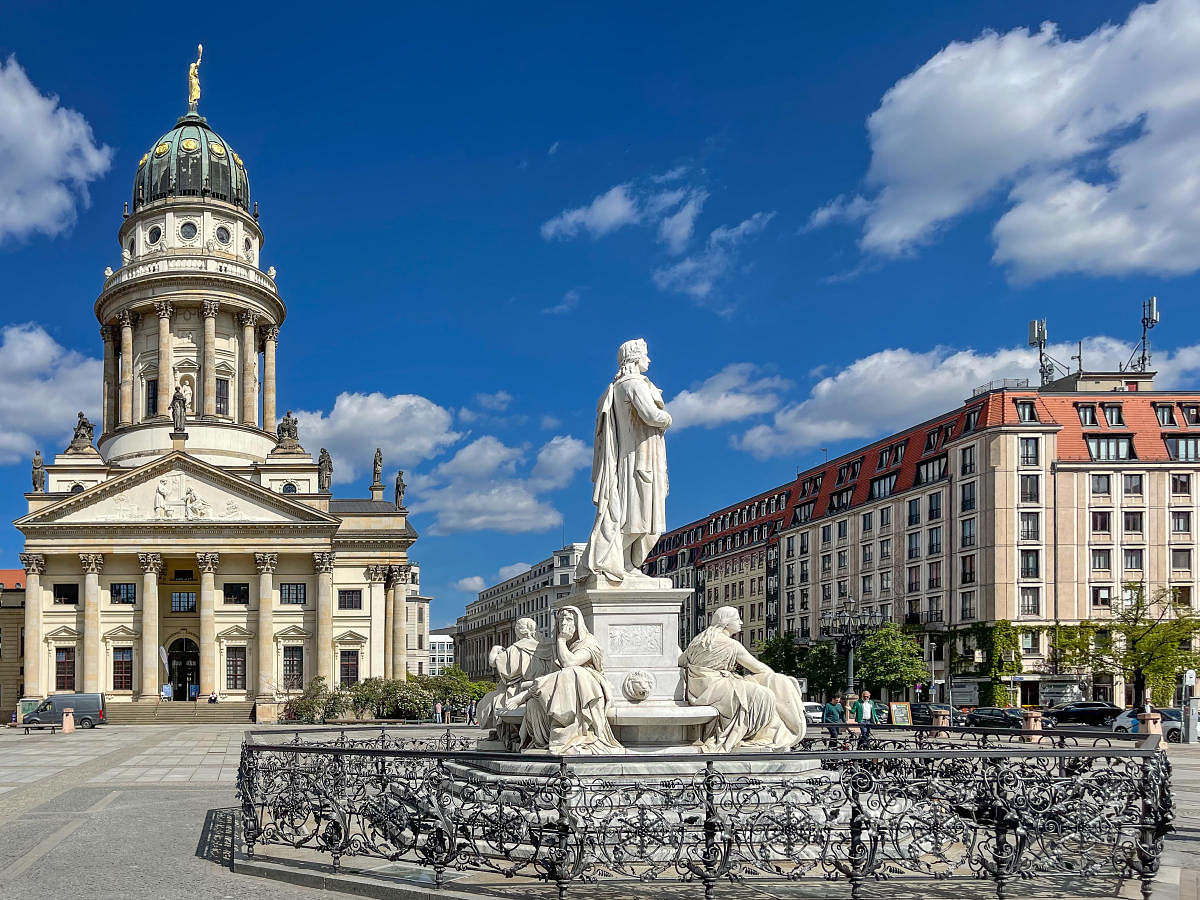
(849, 626)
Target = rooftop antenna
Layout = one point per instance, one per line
(1048, 366)
(1149, 320)
(1079, 358)
(825, 450)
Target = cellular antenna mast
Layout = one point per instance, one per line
(1149, 320)
(1048, 366)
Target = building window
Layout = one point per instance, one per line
(1181, 484)
(1166, 415)
(66, 594)
(1031, 601)
(1029, 451)
(350, 599)
(1133, 559)
(1101, 597)
(1133, 484)
(967, 605)
(826, 534)
(236, 592)
(866, 554)
(348, 667)
(64, 668)
(1030, 643)
(843, 528)
(803, 543)
(124, 592)
(971, 419)
(1087, 415)
(914, 579)
(1181, 521)
(1101, 560)
(1183, 448)
(1181, 560)
(185, 575)
(867, 584)
(1030, 526)
(222, 397)
(151, 398)
(235, 668)
(1101, 484)
(866, 522)
(289, 488)
(935, 575)
(1029, 488)
(885, 582)
(914, 512)
(914, 545)
(968, 532)
(935, 540)
(935, 506)
(183, 601)
(122, 669)
(883, 486)
(968, 497)
(293, 668)
(967, 461)
(1030, 567)
(885, 548)
(1133, 522)
(1102, 520)
(1112, 414)
(931, 471)
(292, 593)
(968, 569)
(1026, 411)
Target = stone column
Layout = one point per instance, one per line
(266, 563)
(399, 623)
(375, 577)
(270, 341)
(166, 379)
(389, 617)
(108, 334)
(209, 309)
(93, 564)
(152, 564)
(207, 563)
(126, 321)
(35, 565)
(323, 563)
(249, 357)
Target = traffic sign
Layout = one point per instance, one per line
(1189, 678)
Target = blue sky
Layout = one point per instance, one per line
(828, 222)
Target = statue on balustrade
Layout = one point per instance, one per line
(324, 470)
(39, 472)
(377, 468)
(523, 661)
(288, 432)
(401, 487)
(566, 711)
(83, 437)
(757, 707)
(629, 474)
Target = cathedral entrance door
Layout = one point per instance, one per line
(183, 667)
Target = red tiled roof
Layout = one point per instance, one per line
(12, 578)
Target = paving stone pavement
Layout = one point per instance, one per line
(145, 811)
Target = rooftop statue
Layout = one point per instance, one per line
(39, 472)
(377, 470)
(400, 488)
(629, 473)
(194, 80)
(178, 410)
(288, 433)
(324, 470)
(83, 437)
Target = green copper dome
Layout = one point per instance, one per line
(191, 160)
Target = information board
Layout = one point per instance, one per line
(901, 713)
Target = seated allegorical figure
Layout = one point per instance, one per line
(757, 707)
(522, 661)
(566, 711)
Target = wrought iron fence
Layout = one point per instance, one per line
(910, 804)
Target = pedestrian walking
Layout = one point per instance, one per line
(471, 713)
(834, 715)
(437, 712)
(865, 709)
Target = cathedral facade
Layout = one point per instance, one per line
(194, 542)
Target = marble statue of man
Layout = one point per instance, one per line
(400, 488)
(629, 473)
(377, 467)
(324, 470)
(178, 410)
(39, 472)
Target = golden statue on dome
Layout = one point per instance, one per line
(194, 80)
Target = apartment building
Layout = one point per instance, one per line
(441, 649)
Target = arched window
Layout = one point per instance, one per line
(77, 489)
(289, 488)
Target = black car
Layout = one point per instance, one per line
(1085, 712)
(994, 717)
(922, 713)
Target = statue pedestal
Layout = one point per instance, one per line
(638, 629)
(178, 440)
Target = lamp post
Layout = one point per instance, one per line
(849, 626)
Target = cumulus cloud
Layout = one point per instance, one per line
(731, 395)
(894, 388)
(408, 427)
(480, 460)
(1091, 143)
(48, 157)
(472, 584)
(42, 386)
(558, 461)
(698, 275)
(676, 229)
(569, 301)
(607, 212)
(497, 402)
(507, 572)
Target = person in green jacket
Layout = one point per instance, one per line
(834, 715)
(865, 711)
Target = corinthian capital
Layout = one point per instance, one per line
(377, 572)
(108, 334)
(126, 319)
(271, 333)
(151, 563)
(208, 562)
(249, 319)
(164, 309)
(210, 308)
(92, 563)
(34, 563)
(400, 574)
(323, 562)
(266, 562)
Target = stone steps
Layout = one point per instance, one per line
(179, 713)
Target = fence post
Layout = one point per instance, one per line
(564, 832)
(710, 831)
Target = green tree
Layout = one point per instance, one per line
(1146, 640)
(824, 669)
(891, 658)
(782, 653)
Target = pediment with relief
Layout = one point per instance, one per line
(177, 489)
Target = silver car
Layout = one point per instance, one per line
(1172, 723)
(813, 712)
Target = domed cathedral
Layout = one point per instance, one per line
(193, 546)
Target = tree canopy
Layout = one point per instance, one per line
(890, 658)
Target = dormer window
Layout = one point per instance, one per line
(1191, 414)
(898, 454)
(1087, 415)
(970, 420)
(1112, 413)
(931, 440)
(1026, 411)
(885, 457)
(1166, 416)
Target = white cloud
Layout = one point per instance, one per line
(42, 387)
(507, 572)
(472, 584)
(607, 212)
(558, 461)
(48, 157)
(676, 229)
(497, 402)
(670, 175)
(408, 427)
(553, 149)
(569, 301)
(480, 460)
(895, 388)
(1092, 142)
(550, 423)
(698, 275)
(728, 396)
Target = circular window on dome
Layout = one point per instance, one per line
(247, 245)
(155, 235)
(187, 230)
(161, 149)
(223, 234)
(216, 149)
(191, 145)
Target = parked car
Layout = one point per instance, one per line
(922, 713)
(994, 717)
(1172, 723)
(1084, 712)
(813, 712)
(89, 710)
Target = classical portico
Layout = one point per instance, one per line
(212, 557)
